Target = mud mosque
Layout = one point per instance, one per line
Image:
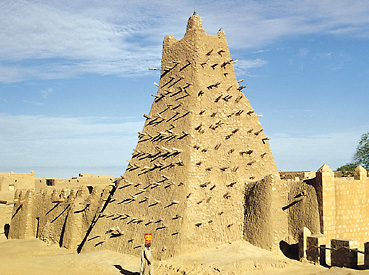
(202, 174)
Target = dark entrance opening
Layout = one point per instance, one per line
(6, 230)
(90, 188)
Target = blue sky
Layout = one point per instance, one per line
(74, 78)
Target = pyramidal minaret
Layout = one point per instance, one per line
(201, 144)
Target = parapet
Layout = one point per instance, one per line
(360, 173)
(194, 22)
(325, 169)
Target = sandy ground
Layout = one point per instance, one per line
(18, 257)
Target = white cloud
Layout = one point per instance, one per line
(301, 151)
(45, 40)
(303, 52)
(41, 127)
(46, 92)
(34, 103)
(60, 141)
(38, 30)
(243, 66)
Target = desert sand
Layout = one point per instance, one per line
(32, 256)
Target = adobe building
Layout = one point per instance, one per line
(202, 174)
(84, 179)
(343, 205)
(56, 216)
(12, 181)
(9, 182)
(297, 175)
(15, 187)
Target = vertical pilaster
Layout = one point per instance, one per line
(327, 203)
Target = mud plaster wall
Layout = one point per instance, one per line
(13, 181)
(5, 210)
(302, 208)
(54, 216)
(277, 210)
(202, 172)
(85, 179)
(343, 206)
(297, 174)
(258, 211)
(200, 144)
(9, 182)
(73, 183)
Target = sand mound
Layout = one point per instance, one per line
(18, 257)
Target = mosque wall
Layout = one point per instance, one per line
(343, 204)
(202, 174)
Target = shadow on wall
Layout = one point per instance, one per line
(289, 250)
(6, 230)
(124, 271)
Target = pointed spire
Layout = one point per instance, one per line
(194, 22)
(324, 168)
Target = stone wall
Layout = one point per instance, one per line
(343, 204)
(317, 249)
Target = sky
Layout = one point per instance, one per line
(74, 78)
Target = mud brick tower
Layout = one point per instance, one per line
(201, 144)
